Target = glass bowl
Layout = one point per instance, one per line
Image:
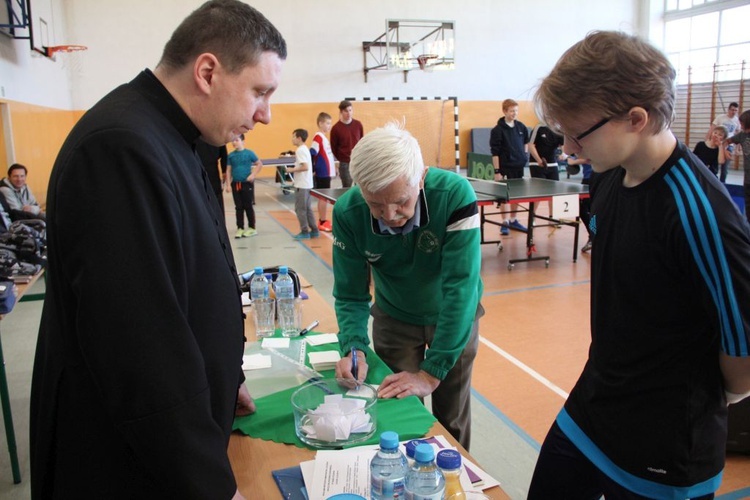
(331, 413)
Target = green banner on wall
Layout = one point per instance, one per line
(480, 167)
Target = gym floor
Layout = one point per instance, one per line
(533, 345)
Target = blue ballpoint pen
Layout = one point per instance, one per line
(355, 365)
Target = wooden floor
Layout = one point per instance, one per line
(535, 334)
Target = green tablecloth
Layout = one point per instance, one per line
(274, 420)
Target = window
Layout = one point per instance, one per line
(701, 33)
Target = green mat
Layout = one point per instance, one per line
(274, 420)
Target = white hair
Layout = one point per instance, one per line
(385, 155)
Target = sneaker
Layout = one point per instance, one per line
(240, 233)
(325, 226)
(249, 232)
(517, 225)
(504, 231)
(302, 236)
(314, 234)
(587, 247)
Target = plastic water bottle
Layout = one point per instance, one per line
(410, 447)
(449, 461)
(424, 481)
(387, 469)
(258, 285)
(284, 284)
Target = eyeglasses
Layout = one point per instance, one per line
(588, 132)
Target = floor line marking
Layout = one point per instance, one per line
(533, 373)
(505, 419)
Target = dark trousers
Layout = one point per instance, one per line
(243, 195)
(747, 195)
(402, 347)
(562, 472)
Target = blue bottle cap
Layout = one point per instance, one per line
(346, 496)
(283, 270)
(258, 270)
(424, 453)
(449, 459)
(411, 445)
(388, 440)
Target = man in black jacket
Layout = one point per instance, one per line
(138, 371)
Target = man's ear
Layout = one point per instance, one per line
(638, 118)
(204, 71)
(421, 181)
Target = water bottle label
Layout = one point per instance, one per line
(385, 488)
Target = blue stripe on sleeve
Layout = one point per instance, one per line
(701, 229)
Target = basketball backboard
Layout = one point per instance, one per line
(14, 18)
(409, 44)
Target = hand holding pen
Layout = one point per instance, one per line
(354, 366)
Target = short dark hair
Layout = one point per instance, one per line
(344, 104)
(745, 120)
(323, 116)
(733, 105)
(301, 133)
(234, 32)
(17, 166)
(241, 137)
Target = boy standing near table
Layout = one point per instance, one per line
(303, 183)
(670, 285)
(243, 166)
(324, 167)
(509, 145)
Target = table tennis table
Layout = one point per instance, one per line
(531, 191)
(286, 179)
(527, 190)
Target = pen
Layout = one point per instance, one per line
(355, 361)
(309, 327)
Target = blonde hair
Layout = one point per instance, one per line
(606, 74)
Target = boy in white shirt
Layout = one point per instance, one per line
(303, 183)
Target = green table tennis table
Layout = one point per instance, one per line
(492, 193)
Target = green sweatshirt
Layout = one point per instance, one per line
(429, 276)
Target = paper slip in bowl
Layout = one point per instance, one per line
(325, 360)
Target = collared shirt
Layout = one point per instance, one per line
(410, 225)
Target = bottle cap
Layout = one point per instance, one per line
(389, 440)
(283, 270)
(258, 270)
(411, 445)
(449, 459)
(424, 453)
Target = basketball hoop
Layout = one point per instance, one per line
(424, 61)
(54, 49)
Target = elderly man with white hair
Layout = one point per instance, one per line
(417, 229)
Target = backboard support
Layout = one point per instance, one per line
(14, 18)
(412, 44)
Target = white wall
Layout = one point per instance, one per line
(32, 78)
(503, 47)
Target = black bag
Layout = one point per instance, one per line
(274, 272)
(738, 427)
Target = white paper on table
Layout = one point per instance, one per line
(275, 343)
(308, 470)
(324, 338)
(256, 361)
(325, 360)
(341, 471)
(487, 480)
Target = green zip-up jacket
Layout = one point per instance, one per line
(429, 276)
